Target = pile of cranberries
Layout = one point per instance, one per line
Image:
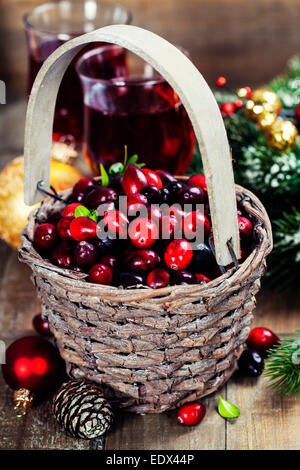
(144, 249)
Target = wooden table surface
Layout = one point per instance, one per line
(267, 420)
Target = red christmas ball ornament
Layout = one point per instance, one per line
(261, 339)
(238, 104)
(227, 108)
(221, 81)
(191, 414)
(41, 325)
(33, 366)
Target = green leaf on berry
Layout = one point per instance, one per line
(133, 159)
(104, 176)
(81, 211)
(93, 215)
(227, 409)
(116, 169)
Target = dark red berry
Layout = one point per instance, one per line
(81, 188)
(152, 194)
(195, 223)
(141, 260)
(69, 211)
(251, 363)
(83, 228)
(63, 228)
(128, 279)
(170, 227)
(142, 232)
(135, 204)
(191, 195)
(153, 177)
(165, 196)
(201, 279)
(165, 177)
(178, 254)
(41, 325)
(176, 210)
(54, 218)
(158, 278)
(116, 183)
(200, 181)
(155, 214)
(45, 237)
(133, 180)
(100, 195)
(174, 189)
(109, 260)
(191, 414)
(183, 277)
(203, 260)
(100, 274)
(261, 339)
(245, 227)
(116, 223)
(62, 255)
(85, 254)
(106, 245)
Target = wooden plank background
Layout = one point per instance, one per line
(248, 41)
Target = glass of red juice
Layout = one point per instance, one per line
(47, 27)
(140, 110)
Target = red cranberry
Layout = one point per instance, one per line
(153, 178)
(200, 181)
(109, 260)
(245, 227)
(105, 207)
(142, 260)
(176, 210)
(116, 223)
(191, 414)
(136, 203)
(191, 195)
(203, 258)
(178, 254)
(155, 214)
(261, 339)
(62, 255)
(63, 228)
(158, 278)
(133, 180)
(169, 227)
(45, 237)
(85, 254)
(100, 274)
(201, 279)
(41, 325)
(165, 176)
(69, 211)
(128, 279)
(142, 232)
(195, 223)
(152, 194)
(183, 277)
(100, 195)
(81, 188)
(83, 228)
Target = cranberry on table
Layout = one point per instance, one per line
(152, 194)
(81, 188)
(133, 180)
(69, 211)
(165, 177)
(142, 232)
(41, 325)
(100, 274)
(153, 178)
(83, 228)
(191, 414)
(183, 277)
(85, 254)
(142, 260)
(109, 260)
(99, 196)
(200, 181)
(62, 255)
(245, 227)
(251, 363)
(116, 223)
(45, 237)
(178, 254)
(63, 228)
(201, 278)
(128, 279)
(158, 278)
(261, 339)
(191, 195)
(194, 223)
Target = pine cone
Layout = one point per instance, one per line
(80, 408)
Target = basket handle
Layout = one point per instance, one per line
(195, 95)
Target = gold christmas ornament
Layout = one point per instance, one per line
(282, 136)
(265, 120)
(13, 211)
(262, 101)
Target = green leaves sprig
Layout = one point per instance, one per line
(82, 211)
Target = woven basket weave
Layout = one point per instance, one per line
(150, 349)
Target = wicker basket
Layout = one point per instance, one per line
(150, 349)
